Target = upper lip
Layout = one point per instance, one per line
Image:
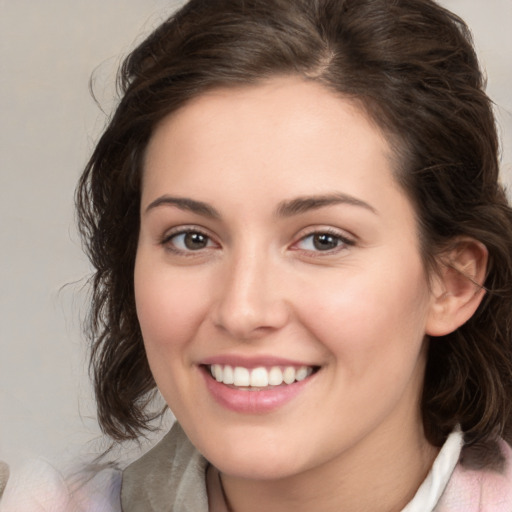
(253, 362)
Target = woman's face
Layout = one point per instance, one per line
(276, 244)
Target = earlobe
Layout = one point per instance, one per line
(457, 288)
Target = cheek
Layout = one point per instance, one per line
(169, 311)
(371, 319)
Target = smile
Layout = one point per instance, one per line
(257, 386)
(254, 379)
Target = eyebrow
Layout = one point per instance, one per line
(307, 203)
(184, 203)
(289, 208)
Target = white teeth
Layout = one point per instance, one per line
(217, 372)
(301, 373)
(259, 377)
(289, 374)
(275, 376)
(241, 377)
(229, 378)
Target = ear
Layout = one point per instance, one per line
(457, 287)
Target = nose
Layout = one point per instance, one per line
(251, 300)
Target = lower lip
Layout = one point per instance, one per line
(253, 402)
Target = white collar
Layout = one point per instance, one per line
(430, 491)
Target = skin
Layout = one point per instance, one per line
(352, 439)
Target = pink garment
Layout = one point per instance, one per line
(476, 486)
(39, 487)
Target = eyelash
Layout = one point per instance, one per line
(342, 242)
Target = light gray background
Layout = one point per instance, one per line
(49, 123)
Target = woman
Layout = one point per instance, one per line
(301, 241)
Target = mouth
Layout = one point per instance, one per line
(260, 378)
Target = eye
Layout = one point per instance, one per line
(187, 241)
(323, 241)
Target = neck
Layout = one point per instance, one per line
(382, 473)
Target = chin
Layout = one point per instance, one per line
(258, 469)
(256, 461)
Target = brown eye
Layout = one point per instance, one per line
(325, 241)
(194, 241)
(189, 241)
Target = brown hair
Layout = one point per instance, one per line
(411, 65)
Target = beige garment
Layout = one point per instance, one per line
(169, 478)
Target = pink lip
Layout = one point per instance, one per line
(253, 402)
(252, 362)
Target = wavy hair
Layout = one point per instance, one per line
(410, 64)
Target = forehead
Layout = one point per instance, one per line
(286, 124)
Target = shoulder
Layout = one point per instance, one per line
(40, 487)
(481, 481)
